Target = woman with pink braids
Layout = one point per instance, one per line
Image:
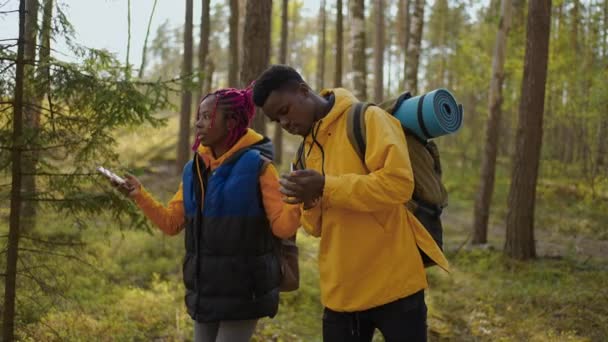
(232, 211)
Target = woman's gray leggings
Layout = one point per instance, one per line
(224, 331)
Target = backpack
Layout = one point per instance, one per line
(287, 252)
(430, 196)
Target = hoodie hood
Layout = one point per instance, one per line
(251, 139)
(344, 99)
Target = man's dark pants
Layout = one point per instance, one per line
(401, 320)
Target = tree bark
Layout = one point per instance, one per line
(233, 67)
(605, 30)
(256, 48)
(379, 53)
(413, 52)
(203, 50)
(358, 51)
(488, 164)
(209, 71)
(31, 115)
(183, 148)
(602, 149)
(242, 17)
(284, 32)
(322, 43)
(43, 70)
(522, 193)
(10, 287)
(339, 45)
(278, 131)
(404, 32)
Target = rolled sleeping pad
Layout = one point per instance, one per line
(431, 115)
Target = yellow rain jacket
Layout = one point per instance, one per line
(369, 241)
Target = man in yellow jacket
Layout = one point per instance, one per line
(371, 272)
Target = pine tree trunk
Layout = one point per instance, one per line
(413, 52)
(209, 71)
(278, 131)
(242, 17)
(31, 122)
(405, 28)
(339, 44)
(379, 53)
(601, 160)
(10, 287)
(358, 51)
(321, 51)
(602, 149)
(519, 242)
(284, 31)
(183, 148)
(488, 164)
(203, 49)
(256, 48)
(43, 71)
(233, 66)
(605, 30)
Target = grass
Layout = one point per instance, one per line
(490, 298)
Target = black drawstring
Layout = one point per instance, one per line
(314, 132)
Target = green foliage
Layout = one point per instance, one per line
(490, 298)
(136, 314)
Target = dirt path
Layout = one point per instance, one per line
(458, 225)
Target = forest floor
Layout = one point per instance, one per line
(560, 296)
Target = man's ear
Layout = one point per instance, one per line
(304, 89)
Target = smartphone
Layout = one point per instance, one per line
(111, 175)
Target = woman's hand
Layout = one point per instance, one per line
(130, 188)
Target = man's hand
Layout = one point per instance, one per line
(302, 186)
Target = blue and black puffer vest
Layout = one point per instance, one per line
(231, 271)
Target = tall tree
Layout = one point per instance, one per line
(256, 48)
(233, 66)
(31, 115)
(403, 18)
(413, 51)
(183, 148)
(10, 287)
(278, 132)
(379, 52)
(284, 32)
(321, 47)
(144, 52)
(488, 164)
(203, 49)
(358, 51)
(519, 242)
(339, 45)
(127, 62)
(80, 99)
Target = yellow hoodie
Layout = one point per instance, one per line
(283, 218)
(369, 241)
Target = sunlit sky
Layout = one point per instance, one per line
(103, 23)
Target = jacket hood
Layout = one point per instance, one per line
(251, 139)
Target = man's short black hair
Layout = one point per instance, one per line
(273, 78)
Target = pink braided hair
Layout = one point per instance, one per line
(235, 104)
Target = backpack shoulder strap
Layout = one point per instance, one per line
(355, 126)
